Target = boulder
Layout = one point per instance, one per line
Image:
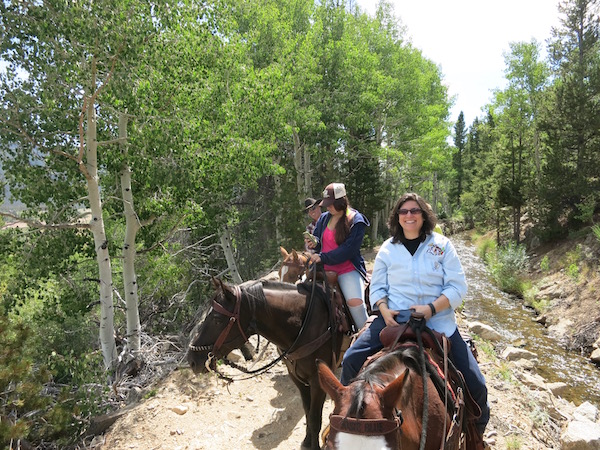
(484, 331)
(511, 354)
(583, 432)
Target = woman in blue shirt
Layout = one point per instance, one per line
(418, 269)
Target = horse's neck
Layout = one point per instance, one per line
(279, 319)
(411, 404)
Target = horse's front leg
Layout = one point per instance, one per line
(305, 396)
(314, 418)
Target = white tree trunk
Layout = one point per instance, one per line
(107, 327)
(375, 226)
(307, 173)
(298, 154)
(228, 250)
(132, 225)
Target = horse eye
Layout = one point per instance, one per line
(218, 320)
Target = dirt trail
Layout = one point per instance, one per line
(265, 412)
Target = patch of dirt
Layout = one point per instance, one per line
(188, 412)
(184, 411)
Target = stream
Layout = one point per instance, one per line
(509, 317)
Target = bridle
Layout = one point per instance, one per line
(234, 318)
(295, 351)
(368, 427)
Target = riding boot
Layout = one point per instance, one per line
(359, 315)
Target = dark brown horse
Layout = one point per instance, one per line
(383, 407)
(298, 324)
(293, 266)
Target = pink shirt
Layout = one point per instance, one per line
(329, 244)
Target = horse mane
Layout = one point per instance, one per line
(277, 285)
(385, 369)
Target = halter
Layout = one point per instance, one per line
(367, 427)
(234, 317)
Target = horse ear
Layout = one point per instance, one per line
(283, 252)
(329, 381)
(391, 393)
(295, 255)
(218, 284)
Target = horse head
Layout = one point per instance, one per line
(365, 414)
(293, 266)
(367, 411)
(221, 331)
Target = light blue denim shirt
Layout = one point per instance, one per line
(420, 279)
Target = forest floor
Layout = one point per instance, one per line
(184, 411)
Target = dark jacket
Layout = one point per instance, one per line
(350, 248)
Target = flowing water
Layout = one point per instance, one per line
(508, 316)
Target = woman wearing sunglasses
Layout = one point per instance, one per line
(417, 269)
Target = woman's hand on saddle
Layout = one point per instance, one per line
(423, 309)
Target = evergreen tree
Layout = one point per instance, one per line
(460, 141)
(572, 122)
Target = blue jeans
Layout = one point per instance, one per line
(368, 344)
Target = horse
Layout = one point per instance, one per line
(382, 408)
(293, 266)
(301, 324)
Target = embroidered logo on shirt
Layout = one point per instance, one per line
(435, 250)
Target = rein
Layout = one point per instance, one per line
(235, 317)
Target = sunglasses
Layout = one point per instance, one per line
(413, 211)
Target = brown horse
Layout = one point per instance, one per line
(383, 407)
(299, 324)
(294, 265)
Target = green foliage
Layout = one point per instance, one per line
(540, 305)
(28, 409)
(596, 231)
(485, 346)
(513, 443)
(545, 264)
(508, 267)
(573, 271)
(486, 249)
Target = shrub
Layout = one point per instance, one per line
(509, 269)
(596, 231)
(545, 264)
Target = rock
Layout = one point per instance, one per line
(581, 435)
(583, 432)
(595, 356)
(542, 319)
(523, 364)
(179, 409)
(531, 380)
(511, 354)
(586, 411)
(484, 331)
(557, 388)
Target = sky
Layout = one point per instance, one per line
(467, 39)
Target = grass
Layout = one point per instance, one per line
(513, 443)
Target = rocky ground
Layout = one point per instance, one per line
(183, 411)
